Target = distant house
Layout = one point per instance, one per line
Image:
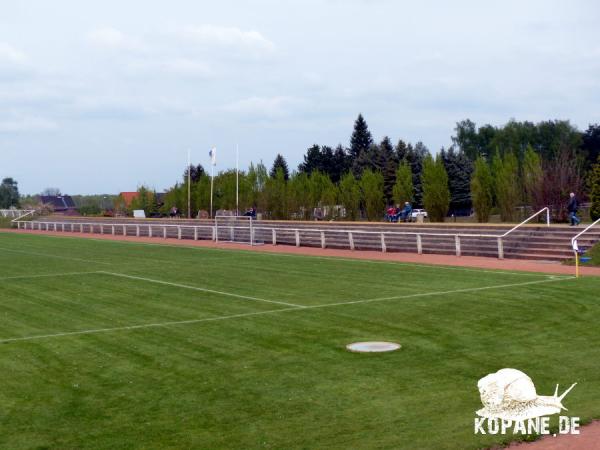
(128, 197)
(61, 204)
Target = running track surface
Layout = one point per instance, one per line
(444, 260)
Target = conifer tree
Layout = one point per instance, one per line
(360, 146)
(403, 189)
(280, 163)
(595, 190)
(350, 195)
(436, 195)
(371, 184)
(482, 187)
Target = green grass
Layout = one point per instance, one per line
(249, 374)
(594, 253)
(5, 222)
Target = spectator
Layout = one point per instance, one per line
(572, 208)
(251, 212)
(391, 214)
(174, 212)
(406, 213)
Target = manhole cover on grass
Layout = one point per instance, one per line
(373, 347)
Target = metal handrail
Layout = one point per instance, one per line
(528, 219)
(574, 239)
(349, 232)
(21, 213)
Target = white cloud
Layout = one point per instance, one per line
(229, 37)
(185, 67)
(11, 56)
(271, 107)
(21, 123)
(114, 39)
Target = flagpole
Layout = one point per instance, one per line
(189, 214)
(213, 161)
(237, 180)
(212, 178)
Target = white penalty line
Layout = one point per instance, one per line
(273, 311)
(196, 288)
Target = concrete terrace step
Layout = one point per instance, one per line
(532, 241)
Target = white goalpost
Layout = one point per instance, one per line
(238, 229)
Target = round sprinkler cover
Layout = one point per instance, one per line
(373, 347)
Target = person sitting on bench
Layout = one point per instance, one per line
(406, 214)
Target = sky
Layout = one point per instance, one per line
(103, 96)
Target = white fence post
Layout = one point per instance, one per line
(164, 232)
(383, 246)
(215, 233)
(274, 236)
(322, 239)
(500, 248)
(112, 229)
(419, 245)
(195, 233)
(149, 230)
(297, 232)
(457, 244)
(178, 231)
(137, 231)
(124, 230)
(351, 240)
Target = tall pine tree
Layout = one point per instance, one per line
(386, 163)
(280, 163)
(436, 195)
(415, 156)
(360, 142)
(482, 189)
(459, 168)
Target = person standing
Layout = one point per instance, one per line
(572, 208)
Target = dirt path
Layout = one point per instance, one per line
(588, 439)
(444, 260)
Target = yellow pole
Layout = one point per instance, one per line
(576, 264)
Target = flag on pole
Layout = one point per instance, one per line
(213, 156)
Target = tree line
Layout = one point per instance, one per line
(486, 170)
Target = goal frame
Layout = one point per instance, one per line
(250, 228)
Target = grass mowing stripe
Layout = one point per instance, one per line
(53, 256)
(147, 325)
(271, 311)
(456, 291)
(326, 258)
(62, 274)
(196, 288)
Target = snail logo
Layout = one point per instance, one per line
(509, 395)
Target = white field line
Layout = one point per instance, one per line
(46, 275)
(273, 311)
(195, 288)
(53, 256)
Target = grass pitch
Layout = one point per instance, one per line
(125, 345)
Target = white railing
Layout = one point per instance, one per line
(150, 230)
(578, 235)
(16, 213)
